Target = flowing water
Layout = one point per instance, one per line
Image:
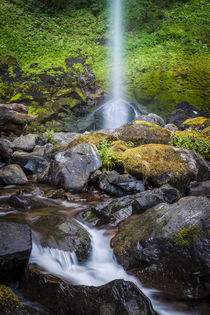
(100, 268)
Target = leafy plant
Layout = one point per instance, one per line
(192, 142)
(109, 159)
(49, 133)
(130, 144)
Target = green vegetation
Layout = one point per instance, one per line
(108, 158)
(167, 53)
(192, 142)
(186, 236)
(9, 303)
(49, 133)
(166, 47)
(35, 33)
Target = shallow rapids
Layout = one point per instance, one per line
(100, 268)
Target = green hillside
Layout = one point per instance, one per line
(166, 50)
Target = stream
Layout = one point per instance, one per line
(100, 268)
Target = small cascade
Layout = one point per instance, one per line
(99, 269)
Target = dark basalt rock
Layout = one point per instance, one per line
(181, 112)
(199, 188)
(114, 298)
(169, 244)
(31, 163)
(150, 198)
(64, 234)
(119, 209)
(15, 249)
(32, 202)
(71, 169)
(119, 185)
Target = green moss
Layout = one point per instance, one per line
(187, 236)
(9, 303)
(197, 123)
(79, 92)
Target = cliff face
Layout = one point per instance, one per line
(53, 56)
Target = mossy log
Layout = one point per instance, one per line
(13, 118)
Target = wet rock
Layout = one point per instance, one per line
(15, 249)
(116, 297)
(181, 112)
(199, 188)
(24, 143)
(112, 211)
(71, 169)
(13, 174)
(142, 132)
(64, 234)
(27, 203)
(31, 163)
(161, 164)
(9, 303)
(169, 244)
(151, 198)
(119, 185)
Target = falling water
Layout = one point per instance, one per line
(116, 111)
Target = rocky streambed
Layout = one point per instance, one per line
(60, 211)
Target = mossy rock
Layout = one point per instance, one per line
(9, 302)
(161, 164)
(119, 147)
(142, 132)
(198, 123)
(93, 138)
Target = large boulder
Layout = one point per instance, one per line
(71, 169)
(65, 234)
(161, 164)
(120, 185)
(31, 163)
(169, 246)
(24, 143)
(13, 174)
(198, 123)
(114, 298)
(142, 132)
(15, 249)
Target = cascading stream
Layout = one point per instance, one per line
(100, 268)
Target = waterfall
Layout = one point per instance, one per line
(115, 112)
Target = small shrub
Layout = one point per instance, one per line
(192, 142)
(109, 159)
(49, 135)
